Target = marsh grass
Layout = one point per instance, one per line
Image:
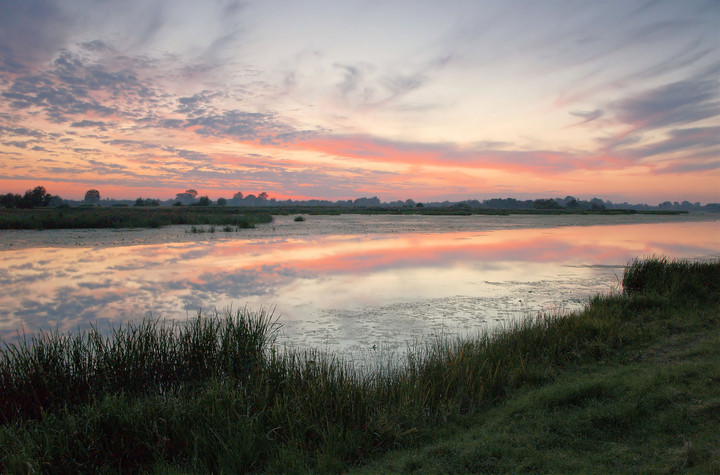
(83, 217)
(130, 217)
(52, 370)
(671, 278)
(215, 395)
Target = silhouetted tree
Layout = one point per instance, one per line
(147, 202)
(31, 199)
(92, 196)
(186, 198)
(545, 204)
(11, 200)
(596, 204)
(221, 202)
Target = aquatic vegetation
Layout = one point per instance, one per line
(130, 217)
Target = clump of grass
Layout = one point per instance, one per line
(53, 370)
(215, 395)
(677, 278)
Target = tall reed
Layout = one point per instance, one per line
(54, 369)
(671, 278)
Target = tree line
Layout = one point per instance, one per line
(39, 197)
(34, 198)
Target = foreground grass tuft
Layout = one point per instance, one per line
(673, 279)
(629, 384)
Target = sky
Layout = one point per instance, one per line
(419, 99)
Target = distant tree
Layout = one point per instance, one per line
(596, 204)
(203, 201)
(36, 197)
(238, 196)
(92, 196)
(545, 204)
(221, 202)
(186, 198)
(11, 201)
(147, 202)
(31, 199)
(263, 196)
(419, 205)
(367, 202)
(55, 201)
(502, 203)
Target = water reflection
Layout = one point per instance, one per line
(350, 292)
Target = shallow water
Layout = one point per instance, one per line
(358, 285)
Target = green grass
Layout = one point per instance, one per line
(130, 217)
(631, 384)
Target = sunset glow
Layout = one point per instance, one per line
(339, 100)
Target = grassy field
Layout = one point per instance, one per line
(241, 217)
(630, 384)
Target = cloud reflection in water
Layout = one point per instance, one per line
(345, 292)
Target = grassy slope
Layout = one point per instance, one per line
(648, 409)
(650, 405)
(630, 384)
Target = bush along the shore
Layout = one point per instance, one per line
(216, 395)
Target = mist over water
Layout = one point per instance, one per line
(352, 284)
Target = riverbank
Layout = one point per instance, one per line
(117, 217)
(211, 410)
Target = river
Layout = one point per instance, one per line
(355, 285)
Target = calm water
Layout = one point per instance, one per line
(347, 283)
